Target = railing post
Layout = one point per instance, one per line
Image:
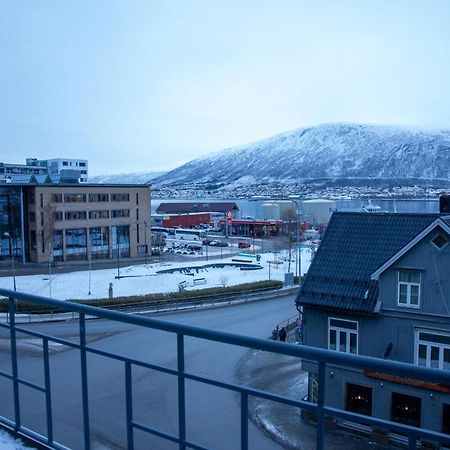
(181, 393)
(320, 404)
(48, 394)
(412, 438)
(84, 382)
(129, 405)
(244, 421)
(15, 376)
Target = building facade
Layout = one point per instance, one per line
(64, 222)
(379, 286)
(71, 170)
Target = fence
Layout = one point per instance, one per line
(322, 357)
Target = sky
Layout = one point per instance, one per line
(145, 85)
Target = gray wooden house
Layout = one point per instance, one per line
(379, 286)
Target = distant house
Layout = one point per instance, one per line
(197, 207)
(379, 286)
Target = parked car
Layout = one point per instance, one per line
(207, 241)
(218, 244)
(243, 245)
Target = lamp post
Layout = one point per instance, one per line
(12, 257)
(90, 266)
(299, 251)
(299, 258)
(118, 258)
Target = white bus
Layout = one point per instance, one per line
(189, 235)
(163, 230)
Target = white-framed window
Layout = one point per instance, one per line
(432, 349)
(342, 335)
(409, 288)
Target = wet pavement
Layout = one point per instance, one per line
(283, 375)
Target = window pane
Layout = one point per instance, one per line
(353, 337)
(344, 324)
(414, 295)
(415, 277)
(446, 365)
(332, 339)
(342, 341)
(438, 338)
(422, 360)
(403, 297)
(434, 360)
(403, 276)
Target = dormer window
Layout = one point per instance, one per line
(409, 288)
(439, 241)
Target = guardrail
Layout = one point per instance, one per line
(322, 357)
(156, 307)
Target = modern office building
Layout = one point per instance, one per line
(74, 221)
(69, 170)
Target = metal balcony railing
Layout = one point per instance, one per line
(322, 357)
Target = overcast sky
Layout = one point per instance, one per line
(149, 85)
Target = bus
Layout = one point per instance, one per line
(189, 234)
(163, 230)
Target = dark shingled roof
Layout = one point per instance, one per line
(196, 207)
(354, 246)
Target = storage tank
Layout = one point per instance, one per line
(318, 211)
(270, 211)
(288, 210)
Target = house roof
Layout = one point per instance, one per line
(354, 246)
(191, 207)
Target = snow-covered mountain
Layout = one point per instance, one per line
(332, 151)
(126, 178)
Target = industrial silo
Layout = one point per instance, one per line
(317, 211)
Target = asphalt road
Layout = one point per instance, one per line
(212, 414)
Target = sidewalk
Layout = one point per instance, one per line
(283, 375)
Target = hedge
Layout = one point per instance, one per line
(154, 299)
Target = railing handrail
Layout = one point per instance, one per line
(299, 351)
(320, 356)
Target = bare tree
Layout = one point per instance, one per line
(224, 280)
(49, 219)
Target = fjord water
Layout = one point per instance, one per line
(252, 208)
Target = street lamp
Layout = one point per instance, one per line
(12, 257)
(299, 251)
(299, 258)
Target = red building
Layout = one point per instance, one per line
(186, 220)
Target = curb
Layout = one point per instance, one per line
(64, 317)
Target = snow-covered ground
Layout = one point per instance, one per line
(144, 279)
(7, 442)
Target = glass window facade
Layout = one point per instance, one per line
(120, 197)
(104, 214)
(76, 240)
(10, 222)
(74, 198)
(120, 213)
(120, 239)
(99, 242)
(98, 198)
(57, 242)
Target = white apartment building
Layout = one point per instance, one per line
(73, 168)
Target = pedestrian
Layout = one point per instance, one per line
(275, 334)
(282, 334)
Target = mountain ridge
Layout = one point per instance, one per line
(339, 150)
